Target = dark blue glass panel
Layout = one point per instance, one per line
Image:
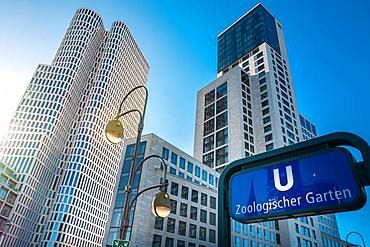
(249, 32)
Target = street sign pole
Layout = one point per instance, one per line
(298, 154)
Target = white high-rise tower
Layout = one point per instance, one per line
(55, 143)
(249, 109)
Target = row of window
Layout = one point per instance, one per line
(190, 168)
(184, 228)
(170, 242)
(247, 114)
(174, 190)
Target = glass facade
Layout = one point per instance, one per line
(256, 27)
(123, 181)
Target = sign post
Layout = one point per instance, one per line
(308, 178)
(120, 243)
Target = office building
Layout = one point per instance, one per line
(192, 189)
(8, 196)
(307, 128)
(328, 226)
(249, 109)
(66, 169)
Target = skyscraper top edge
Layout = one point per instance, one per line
(247, 13)
(115, 23)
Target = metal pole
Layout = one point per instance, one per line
(126, 209)
(353, 232)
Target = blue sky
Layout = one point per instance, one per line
(327, 42)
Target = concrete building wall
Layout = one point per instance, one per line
(147, 229)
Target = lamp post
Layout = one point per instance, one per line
(114, 133)
(357, 233)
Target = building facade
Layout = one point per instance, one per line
(249, 109)
(193, 193)
(66, 169)
(8, 196)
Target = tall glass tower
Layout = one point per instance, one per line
(249, 109)
(55, 144)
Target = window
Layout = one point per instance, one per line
(213, 202)
(237, 226)
(208, 159)
(173, 206)
(169, 242)
(266, 119)
(193, 213)
(269, 147)
(268, 138)
(202, 233)
(209, 127)
(197, 171)
(212, 236)
(203, 199)
(208, 143)
(174, 158)
(209, 112)
(157, 240)
(158, 223)
(265, 103)
(221, 105)
(209, 97)
(221, 137)
(180, 243)
(190, 167)
(212, 219)
(203, 216)
(278, 238)
(264, 95)
(265, 111)
(171, 225)
(172, 170)
(272, 237)
(194, 196)
(184, 192)
(245, 229)
(182, 228)
(193, 231)
(267, 128)
(183, 210)
(182, 163)
(221, 120)
(165, 153)
(221, 90)
(174, 188)
(238, 242)
(211, 179)
(204, 175)
(222, 155)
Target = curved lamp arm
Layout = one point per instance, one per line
(131, 91)
(127, 112)
(153, 156)
(363, 241)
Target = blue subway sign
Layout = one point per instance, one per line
(325, 182)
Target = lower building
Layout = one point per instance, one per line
(193, 193)
(8, 195)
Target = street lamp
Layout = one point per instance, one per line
(357, 233)
(114, 132)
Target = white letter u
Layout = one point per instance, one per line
(290, 180)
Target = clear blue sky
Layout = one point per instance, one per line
(327, 41)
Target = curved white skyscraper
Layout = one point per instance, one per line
(66, 170)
